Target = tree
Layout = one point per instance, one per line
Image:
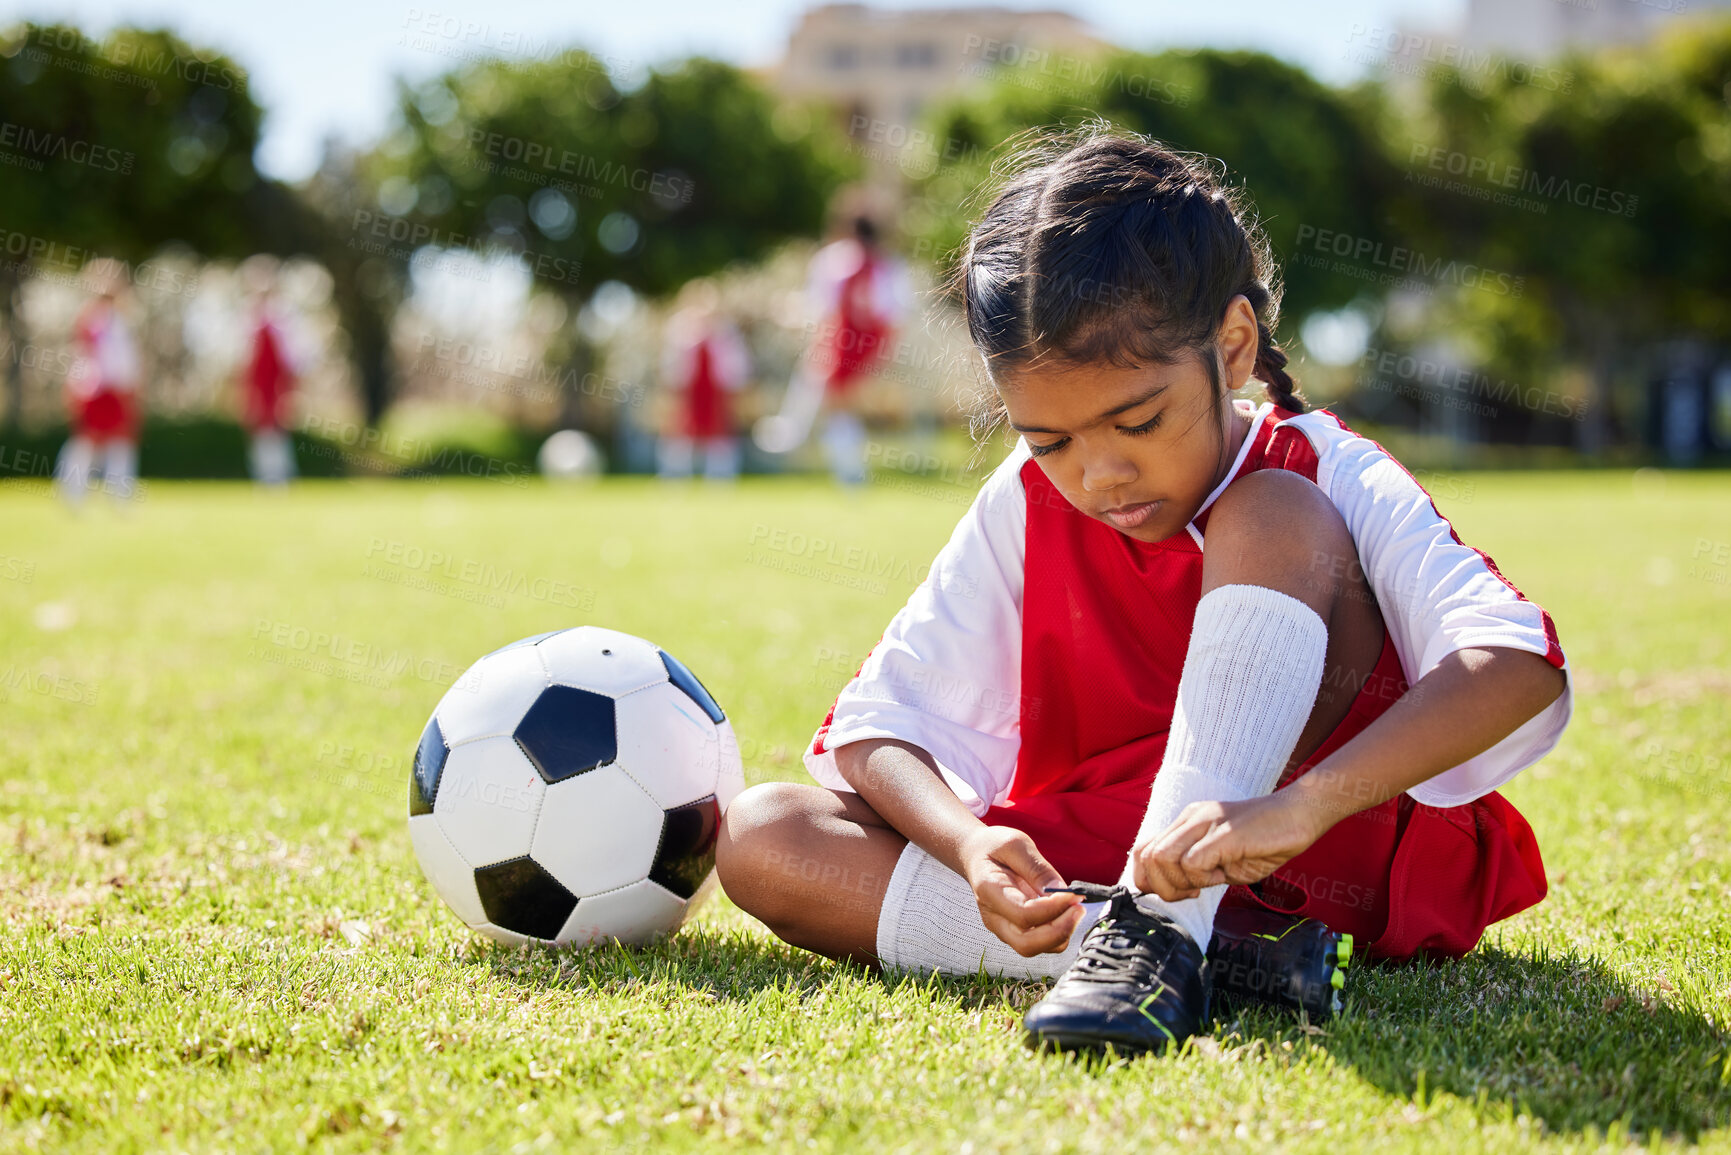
(586, 183)
(1617, 210)
(117, 148)
(1307, 154)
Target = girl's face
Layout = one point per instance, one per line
(1139, 449)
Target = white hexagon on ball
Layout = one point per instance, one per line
(598, 831)
(668, 745)
(605, 661)
(632, 914)
(488, 798)
(491, 698)
(450, 874)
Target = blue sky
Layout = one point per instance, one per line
(327, 66)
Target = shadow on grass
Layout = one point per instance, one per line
(1557, 1037)
(730, 964)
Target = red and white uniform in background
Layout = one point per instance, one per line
(270, 376)
(268, 381)
(859, 297)
(102, 388)
(1038, 664)
(706, 363)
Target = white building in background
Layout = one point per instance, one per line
(880, 69)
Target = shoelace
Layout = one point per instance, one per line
(1117, 950)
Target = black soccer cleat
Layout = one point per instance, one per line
(1139, 984)
(1294, 964)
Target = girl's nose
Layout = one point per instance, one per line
(1103, 471)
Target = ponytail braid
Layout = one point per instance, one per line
(1271, 371)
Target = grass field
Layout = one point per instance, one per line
(215, 936)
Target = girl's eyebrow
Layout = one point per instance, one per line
(1112, 412)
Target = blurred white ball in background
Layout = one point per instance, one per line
(569, 454)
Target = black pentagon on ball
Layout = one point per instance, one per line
(687, 851)
(568, 731)
(519, 895)
(687, 681)
(430, 758)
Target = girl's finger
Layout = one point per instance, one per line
(1155, 875)
(1029, 866)
(1006, 900)
(1028, 942)
(1205, 861)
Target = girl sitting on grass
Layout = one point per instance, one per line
(1215, 652)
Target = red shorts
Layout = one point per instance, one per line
(1403, 878)
(107, 415)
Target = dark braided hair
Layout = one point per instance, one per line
(1110, 247)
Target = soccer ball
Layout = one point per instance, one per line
(569, 454)
(568, 789)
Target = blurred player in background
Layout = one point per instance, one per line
(268, 382)
(704, 364)
(858, 294)
(102, 398)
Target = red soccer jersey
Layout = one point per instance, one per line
(1098, 624)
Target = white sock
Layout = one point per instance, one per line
(1249, 684)
(931, 922)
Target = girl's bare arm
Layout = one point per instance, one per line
(1008, 876)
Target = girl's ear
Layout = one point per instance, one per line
(1238, 342)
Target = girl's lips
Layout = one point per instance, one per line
(1131, 516)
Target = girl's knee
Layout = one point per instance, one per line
(1276, 529)
(761, 828)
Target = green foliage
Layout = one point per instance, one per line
(1305, 153)
(213, 935)
(142, 140)
(1624, 180)
(653, 186)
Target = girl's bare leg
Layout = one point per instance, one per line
(810, 863)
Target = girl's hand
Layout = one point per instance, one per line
(1224, 842)
(1009, 879)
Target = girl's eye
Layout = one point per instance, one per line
(1042, 450)
(1147, 426)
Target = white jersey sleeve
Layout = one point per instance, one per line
(947, 674)
(1437, 595)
